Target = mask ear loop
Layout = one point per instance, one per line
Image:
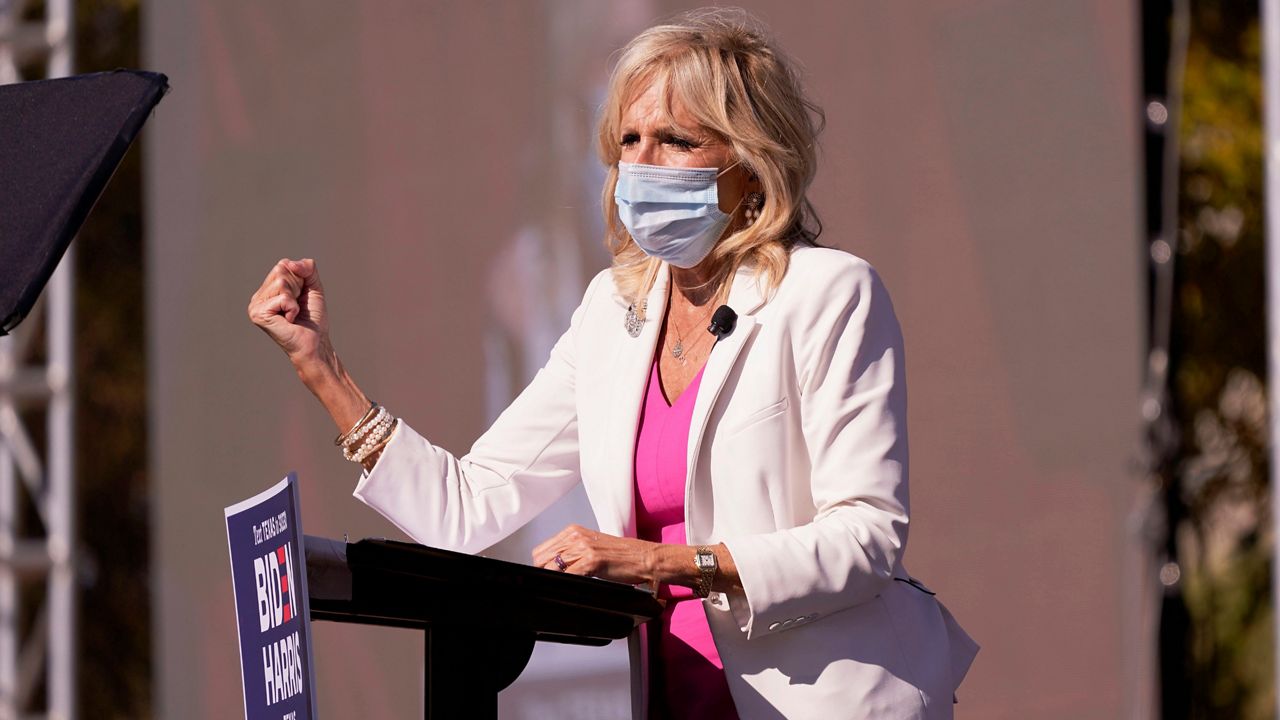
(735, 164)
(722, 293)
(743, 199)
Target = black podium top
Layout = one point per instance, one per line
(383, 582)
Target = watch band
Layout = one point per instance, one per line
(707, 563)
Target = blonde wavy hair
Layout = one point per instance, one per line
(720, 66)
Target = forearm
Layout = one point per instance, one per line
(674, 564)
(329, 381)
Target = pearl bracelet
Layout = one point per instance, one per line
(369, 435)
(366, 453)
(354, 439)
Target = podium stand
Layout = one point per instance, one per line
(480, 616)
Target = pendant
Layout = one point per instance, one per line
(678, 351)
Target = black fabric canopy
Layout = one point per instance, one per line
(60, 142)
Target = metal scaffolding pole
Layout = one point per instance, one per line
(37, 491)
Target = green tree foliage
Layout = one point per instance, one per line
(1219, 352)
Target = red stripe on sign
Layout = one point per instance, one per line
(280, 554)
(284, 583)
(288, 613)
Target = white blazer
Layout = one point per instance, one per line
(797, 463)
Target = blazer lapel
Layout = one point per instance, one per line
(632, 361)
(745, 298)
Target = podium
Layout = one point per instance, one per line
(480, 617)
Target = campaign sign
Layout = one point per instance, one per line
(269, 578)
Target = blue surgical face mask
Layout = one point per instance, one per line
(673, 213)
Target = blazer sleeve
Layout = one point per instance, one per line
(853, 413)
(525, 462)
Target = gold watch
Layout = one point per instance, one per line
(705, 560)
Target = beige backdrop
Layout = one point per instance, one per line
(435, 158)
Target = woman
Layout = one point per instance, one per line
(759, 464)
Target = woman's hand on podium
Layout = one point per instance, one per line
(592, 553)
(580, 551)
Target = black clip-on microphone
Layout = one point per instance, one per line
(723, 320)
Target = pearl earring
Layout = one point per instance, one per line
(753, 203)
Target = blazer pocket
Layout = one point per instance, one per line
(758, 416)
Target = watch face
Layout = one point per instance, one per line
(706, 560)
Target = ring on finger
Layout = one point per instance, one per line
(560, 563)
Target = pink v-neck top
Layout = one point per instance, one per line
(686, 675)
